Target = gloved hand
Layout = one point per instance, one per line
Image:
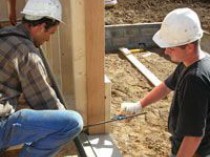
(130, 108)
(6, 109)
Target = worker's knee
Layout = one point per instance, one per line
(73, 123)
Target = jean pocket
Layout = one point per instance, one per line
(2, 124)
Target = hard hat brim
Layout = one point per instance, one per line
(34, 18)
(164, 44)
(159, 41)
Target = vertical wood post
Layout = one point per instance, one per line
(95, 50)
(73, 55)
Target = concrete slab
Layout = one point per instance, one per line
(101, 146)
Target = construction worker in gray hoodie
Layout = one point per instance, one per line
(46, 126)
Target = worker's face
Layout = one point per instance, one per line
(177, 54)
(43, 34)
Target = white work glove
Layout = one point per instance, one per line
(6, 110)
(131, 107)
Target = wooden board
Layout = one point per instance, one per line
(4, 10)
(146, 72)
(95, 50)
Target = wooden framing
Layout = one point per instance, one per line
(76, 55)
(95, 50)
(4, 11)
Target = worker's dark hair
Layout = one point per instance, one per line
(49, 22)
(194, 42)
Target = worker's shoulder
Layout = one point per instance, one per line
(14, 32)
(14, 37)
(18, 46)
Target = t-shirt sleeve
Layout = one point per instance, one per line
(172, 80)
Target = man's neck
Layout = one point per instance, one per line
(200, 54)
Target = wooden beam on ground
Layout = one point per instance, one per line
(146, 72)
(95, 51)
(67, 54)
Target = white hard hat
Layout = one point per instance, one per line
(37, 9)
(179, 27)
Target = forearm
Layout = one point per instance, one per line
(156, 94)
(189, 146)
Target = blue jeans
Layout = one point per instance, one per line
(43, 132)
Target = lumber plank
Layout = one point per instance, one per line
(73, 56)
(144, 70)
(4, 11)
(95, 50)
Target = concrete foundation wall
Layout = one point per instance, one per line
(205, 42)
(130, 35)
(138, 36)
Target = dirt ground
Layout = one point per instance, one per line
(146, 135)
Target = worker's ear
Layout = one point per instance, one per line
(39, 28)
(42, 27)
(190, 48)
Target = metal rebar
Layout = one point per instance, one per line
(114, 119)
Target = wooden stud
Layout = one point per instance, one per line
(73, 56)
(95, 50)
